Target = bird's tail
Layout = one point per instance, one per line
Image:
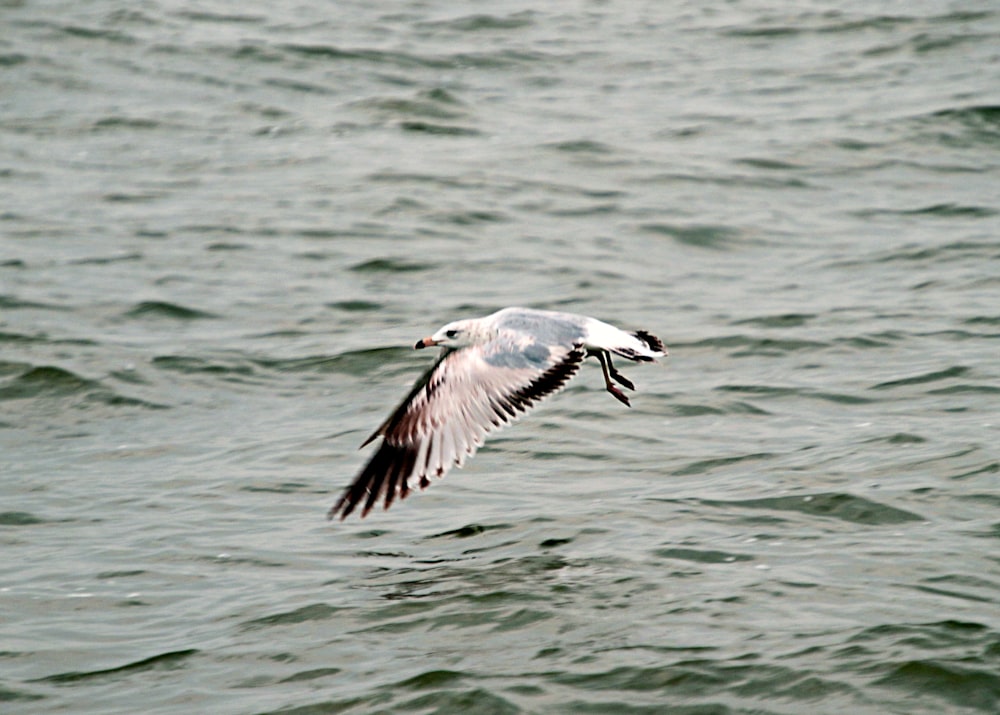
(653, 342)
(642, 347)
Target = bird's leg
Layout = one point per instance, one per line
(619, 378)
(604, 359)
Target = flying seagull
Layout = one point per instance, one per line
(490, 370)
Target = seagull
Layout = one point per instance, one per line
(489, 372)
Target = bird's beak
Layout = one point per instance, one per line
(425, 343)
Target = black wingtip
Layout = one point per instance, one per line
(383, 477)
(335, 509)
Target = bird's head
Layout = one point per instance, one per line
(459, 334)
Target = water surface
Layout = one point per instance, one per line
(223, 227)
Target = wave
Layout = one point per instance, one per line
(164, 309)
(162, 661)
(53, 382)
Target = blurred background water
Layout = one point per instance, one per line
(223, 224)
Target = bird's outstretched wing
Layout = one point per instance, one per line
(445, 418)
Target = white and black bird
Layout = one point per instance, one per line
(490, 371)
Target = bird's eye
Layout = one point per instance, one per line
(451, 334)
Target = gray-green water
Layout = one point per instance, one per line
(225, 223)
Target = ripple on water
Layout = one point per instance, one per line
(832, 505)
(305, 614)
(19, 518)
(162, 661)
